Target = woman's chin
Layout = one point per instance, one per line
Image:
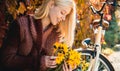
(54, 23)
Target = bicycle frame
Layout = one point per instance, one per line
(98, 50)
(95, 62)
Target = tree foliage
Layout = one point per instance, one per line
(10, 10)
(113, 33)
(84, 15)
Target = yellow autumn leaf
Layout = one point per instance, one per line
(21, 8)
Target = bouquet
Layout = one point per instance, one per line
(66, 54)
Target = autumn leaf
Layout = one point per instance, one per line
(21, 8)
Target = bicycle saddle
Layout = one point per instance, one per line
(86, 42)
(95, 23)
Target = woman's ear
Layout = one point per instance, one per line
(51, 4)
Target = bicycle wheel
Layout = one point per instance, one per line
(104, 65)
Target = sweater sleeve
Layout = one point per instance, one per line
(10, 57)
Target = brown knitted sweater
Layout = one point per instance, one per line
(23, 50)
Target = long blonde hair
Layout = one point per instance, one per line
(67, 27)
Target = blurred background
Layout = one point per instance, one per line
(84, 20)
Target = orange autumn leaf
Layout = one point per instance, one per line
(21, 8)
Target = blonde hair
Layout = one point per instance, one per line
(68, 26)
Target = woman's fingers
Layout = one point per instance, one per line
(52, 66)
(63, 67)
(52, 57)
(70, 68)
(66, 68)
(50, 61)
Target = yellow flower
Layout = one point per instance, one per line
(59, 58)
(84, 65)
(70, 56)
(65, 47)
(56, 45)
(71, 63)
(74, 58)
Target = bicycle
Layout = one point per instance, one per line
(98, 62)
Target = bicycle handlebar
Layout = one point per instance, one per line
(100, 12)
(96, 11)
(104, 3)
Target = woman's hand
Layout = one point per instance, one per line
(66, 67)
(49, 61)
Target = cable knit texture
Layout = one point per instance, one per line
(26, 45)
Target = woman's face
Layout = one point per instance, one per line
(58, 14)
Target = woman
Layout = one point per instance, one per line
(59, 16)
(30, 48)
